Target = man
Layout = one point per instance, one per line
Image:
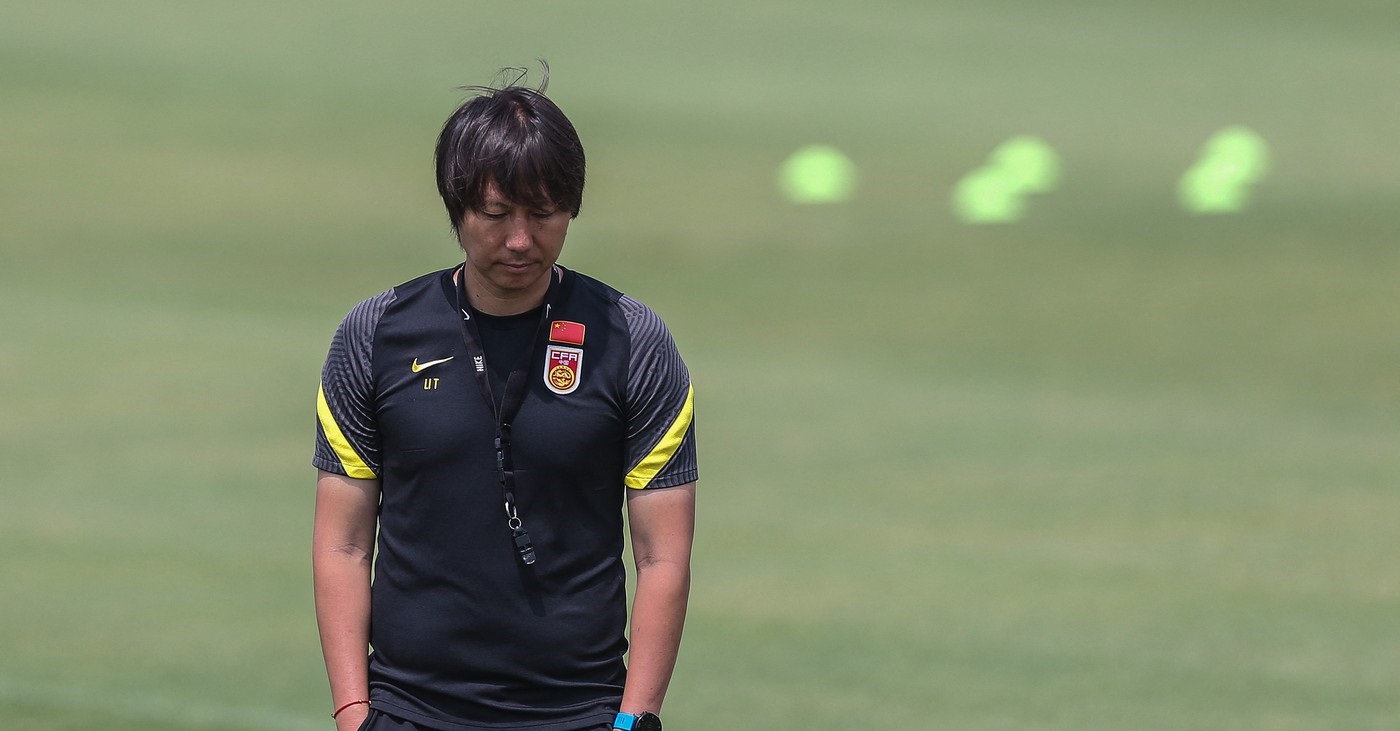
(486, 425)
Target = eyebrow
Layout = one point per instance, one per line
(503, 202)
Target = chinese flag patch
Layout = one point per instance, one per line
(563, 331)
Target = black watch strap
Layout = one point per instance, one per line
(644, 721)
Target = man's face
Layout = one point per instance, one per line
(511, 250)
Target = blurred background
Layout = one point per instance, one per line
(1108, 465)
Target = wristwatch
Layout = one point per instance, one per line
(644, 721)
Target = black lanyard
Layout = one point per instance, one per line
(511, 400)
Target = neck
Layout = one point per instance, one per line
(490, 300)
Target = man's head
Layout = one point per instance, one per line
(514, 140)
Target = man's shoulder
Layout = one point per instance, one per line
(401, 291)
(437, 279)
(363, 319)
(594, 289)
(436, 285)
(633, 310)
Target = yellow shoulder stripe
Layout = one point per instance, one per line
(642, 474)
(349, 459)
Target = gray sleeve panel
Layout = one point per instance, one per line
(659, 401)
(347, 385)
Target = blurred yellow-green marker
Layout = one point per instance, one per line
(817, 174)
(996, 192)
(1232, 161)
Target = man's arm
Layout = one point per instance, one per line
(662, 522)
(342, 553)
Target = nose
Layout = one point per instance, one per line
(518, 238)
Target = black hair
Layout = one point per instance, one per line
(515, 138)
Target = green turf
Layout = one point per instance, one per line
(1109, 467)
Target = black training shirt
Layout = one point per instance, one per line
(464, 635)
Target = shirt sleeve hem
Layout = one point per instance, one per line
(679, 478)
(336, 467)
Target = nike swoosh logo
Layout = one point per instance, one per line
(420, 366)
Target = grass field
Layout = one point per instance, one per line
(1109, 467)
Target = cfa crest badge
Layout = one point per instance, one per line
(562, 368)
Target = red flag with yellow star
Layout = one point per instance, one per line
(563, 331)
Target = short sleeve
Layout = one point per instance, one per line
(347, 438)
(660, 404)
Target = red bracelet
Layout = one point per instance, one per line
(347, 705)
